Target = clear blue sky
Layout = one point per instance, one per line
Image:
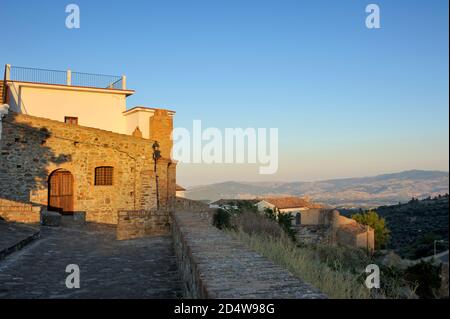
(348, 101)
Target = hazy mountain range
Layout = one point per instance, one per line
(370, 191)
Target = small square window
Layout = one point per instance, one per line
(104, 175)
(71, 120)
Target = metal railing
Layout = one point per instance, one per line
(18, 73)
(96, 80)
(33, 75)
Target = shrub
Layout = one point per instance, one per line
(247, 207)
(285, 221)
(426, 276)
(253, 223)
(222, 219)
(270, 213)
(423, 246)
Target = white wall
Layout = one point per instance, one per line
(181, 194)
(98, 108)
(262, 205)
(139, 117)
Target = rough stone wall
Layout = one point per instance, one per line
(318, 216)
(141, 223)
(313, 234)
(161, 127)
(1, 92)
(19, 212)
(212, 264)
(345, 237)
(32, 148)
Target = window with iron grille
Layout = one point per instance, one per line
(104, 175)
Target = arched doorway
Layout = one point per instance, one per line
(60, 191)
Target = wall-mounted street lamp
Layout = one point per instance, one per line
(156, 157)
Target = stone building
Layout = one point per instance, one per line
(329, 226)
(58, 153)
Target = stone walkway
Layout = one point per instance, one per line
(14, 236)
(141, 268)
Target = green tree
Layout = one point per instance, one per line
(270, 213)
(372, 219)
(283, 219)
(426, 276)
(222, 219)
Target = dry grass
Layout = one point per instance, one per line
(305, 264)
(337, 271)
(255, 224)
(321, 266)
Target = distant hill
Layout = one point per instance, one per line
(370, 191)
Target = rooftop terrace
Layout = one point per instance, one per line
(68, 77)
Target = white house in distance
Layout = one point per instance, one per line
(296, 206)
(92, 100)
(286, 204)
(229, 204)
(180, 191)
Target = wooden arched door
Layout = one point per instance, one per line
(60, 192)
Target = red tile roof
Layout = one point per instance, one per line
(291, 202)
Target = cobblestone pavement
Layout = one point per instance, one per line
(14, 236)
(141, 268)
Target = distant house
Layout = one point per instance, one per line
(232, 203)
(291, 204)
(180, 191)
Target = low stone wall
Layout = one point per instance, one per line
(212, 264)
(194, 206)
(313, 234)
(189, 205)
(141, 223)
(318, 216)
(19, 212)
